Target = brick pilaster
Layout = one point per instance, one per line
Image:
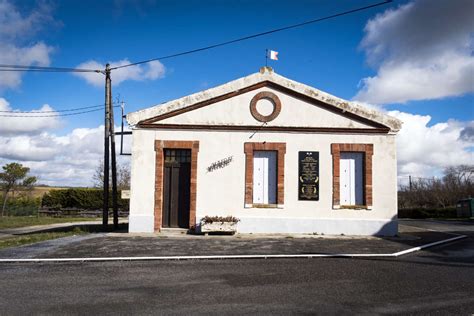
(368, 150)
(249, 149)
(160, 145)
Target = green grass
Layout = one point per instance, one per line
(23, 221)
(33, 238)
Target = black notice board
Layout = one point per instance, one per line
(308, 175)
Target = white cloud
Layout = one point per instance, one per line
(16, 26)
(15, 32)
(26, 124)
(150, 71)
(426, 150)
(37, 148)
(421, 50)
(60, 160)
(71, 159)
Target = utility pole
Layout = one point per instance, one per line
(409, 181)
(108, 93)
(114, 165)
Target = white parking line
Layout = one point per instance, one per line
(404, 252)
(223, 257)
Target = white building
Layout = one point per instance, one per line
(281, 156)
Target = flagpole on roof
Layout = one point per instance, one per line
(266, 57)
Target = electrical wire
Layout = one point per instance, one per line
(46, 70)
(54, 111)
(53, 115)
(255, 35)
(4, 67)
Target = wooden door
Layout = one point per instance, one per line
(176, 188)
(352, 178)
(264, 177)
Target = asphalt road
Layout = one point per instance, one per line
(437, 281)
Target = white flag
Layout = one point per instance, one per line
(273, 55)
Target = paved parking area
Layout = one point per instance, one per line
(125, 245)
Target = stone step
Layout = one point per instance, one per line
(173, 231)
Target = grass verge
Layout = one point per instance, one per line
(24, 221)
(16, 241)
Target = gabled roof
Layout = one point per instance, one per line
(268, 77)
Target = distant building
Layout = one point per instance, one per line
(281, 156)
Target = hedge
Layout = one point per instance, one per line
(87, 199)
(449, 212)
(22, 206)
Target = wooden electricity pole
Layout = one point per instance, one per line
(108, 93)
(109, 143)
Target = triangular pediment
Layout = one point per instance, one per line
(230, 105)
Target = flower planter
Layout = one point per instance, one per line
(219, 227)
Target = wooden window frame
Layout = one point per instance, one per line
(249, 149)
(368, 151)
(160, 146)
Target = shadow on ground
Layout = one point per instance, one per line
(89, 228)
(99, 243)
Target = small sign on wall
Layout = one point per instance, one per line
(308, 176)
(125, 195)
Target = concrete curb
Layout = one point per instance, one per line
(223, 257)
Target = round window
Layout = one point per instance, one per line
(265, 106)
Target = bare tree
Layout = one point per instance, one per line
(456, 184)
(123, 176)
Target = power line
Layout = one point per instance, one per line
(4, 67)
(255, 35)
(47, 70)
(53, 115)
(54, 111)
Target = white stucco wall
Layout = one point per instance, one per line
(235, 111)
(222, 191)
(142, 182)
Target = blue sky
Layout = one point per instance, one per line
(387, 43)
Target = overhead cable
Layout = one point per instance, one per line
(4, 67)
(52, 115)
(254, 35)
(54, 111)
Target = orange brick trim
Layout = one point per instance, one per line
(269, 96)
(249, 148)
(368, 150)
(160, 145)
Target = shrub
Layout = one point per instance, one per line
(23, 206)
(80, 198)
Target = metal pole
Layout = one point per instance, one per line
(105, 211)
(409, 182)
(266, 57)
(114, 163)
(121, 136)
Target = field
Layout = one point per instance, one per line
(38, 191)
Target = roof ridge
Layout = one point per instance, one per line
(265, 74)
